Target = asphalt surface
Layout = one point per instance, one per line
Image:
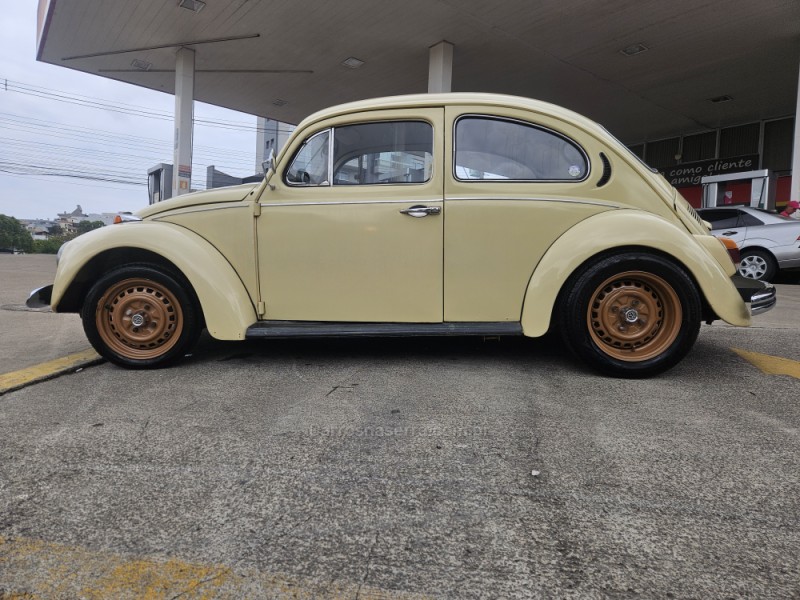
(452, 468)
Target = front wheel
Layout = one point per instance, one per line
(139, 316)
(630, 315)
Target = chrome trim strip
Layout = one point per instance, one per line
(531, 199)
(340, 202)
(190, 209)
(438, 199)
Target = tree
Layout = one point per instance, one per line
(87, 226)
(48, 246)
(13, 235)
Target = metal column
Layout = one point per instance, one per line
(794, 193)
(184, 113)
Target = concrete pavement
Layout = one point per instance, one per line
(29, 338)
(448, 468)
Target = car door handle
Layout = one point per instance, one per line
(729, 232)
(421, 211)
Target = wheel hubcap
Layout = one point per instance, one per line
(634, 316)
(753, 267)
(139, 319)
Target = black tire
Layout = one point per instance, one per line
(758, 264)
(141, 316)
(630, 315)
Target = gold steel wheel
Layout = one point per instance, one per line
(139, 319)
(634, 316)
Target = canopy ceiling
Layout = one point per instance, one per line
(283, 58)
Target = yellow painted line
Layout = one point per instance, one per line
(39, 569)
(771, 365)
(48, 370)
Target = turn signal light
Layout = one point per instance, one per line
(126, 218)
(732, 248)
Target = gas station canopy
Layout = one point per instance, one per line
(644, 69)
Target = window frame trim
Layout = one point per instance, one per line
(294, 184)
(553, 132)
(331, 144)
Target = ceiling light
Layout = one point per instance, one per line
(279, 102)
(193, 5)
(142, 65)
(352, 62)
(634, 49)
(718, 99)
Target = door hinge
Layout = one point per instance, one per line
(257, 209)
(261, 308)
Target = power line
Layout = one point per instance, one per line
(54, 129)
(76, 161)
(129, 109)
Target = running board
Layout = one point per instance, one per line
(293, 329)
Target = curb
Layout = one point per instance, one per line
(16, 380)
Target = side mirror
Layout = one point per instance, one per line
(269, 164)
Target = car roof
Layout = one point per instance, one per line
(765, 215)
(453, 99)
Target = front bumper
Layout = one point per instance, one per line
(761, 296)
(40, 298)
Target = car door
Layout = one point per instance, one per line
(352, 231)
(516, 181)
(727, 222)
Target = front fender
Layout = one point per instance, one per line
(227, 308)
(621, 229)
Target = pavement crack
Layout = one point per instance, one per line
(194, 586)
(369, 564)
(144, 427)
(349, 388)
(142, 432)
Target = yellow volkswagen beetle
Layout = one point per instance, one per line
(424, 215)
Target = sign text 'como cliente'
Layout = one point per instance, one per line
(691, 173)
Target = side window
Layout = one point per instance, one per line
(722, 219)
(310, 165)
(380, 153)
(491, 148)
(748, 220)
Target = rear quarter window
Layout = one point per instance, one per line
(491, 148)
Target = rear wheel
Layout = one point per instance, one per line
(139, 316)
(630, 315)
(758, 264)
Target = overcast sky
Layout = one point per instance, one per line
(46, 128)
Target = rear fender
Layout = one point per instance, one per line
(620, 230)
(227, 308)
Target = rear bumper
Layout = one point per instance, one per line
(761, 296)
(40, 298)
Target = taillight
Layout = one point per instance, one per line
(732, 248)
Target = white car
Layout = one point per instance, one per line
(768, 242)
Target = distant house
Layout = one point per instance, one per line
(38, 228)
(68, 220)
